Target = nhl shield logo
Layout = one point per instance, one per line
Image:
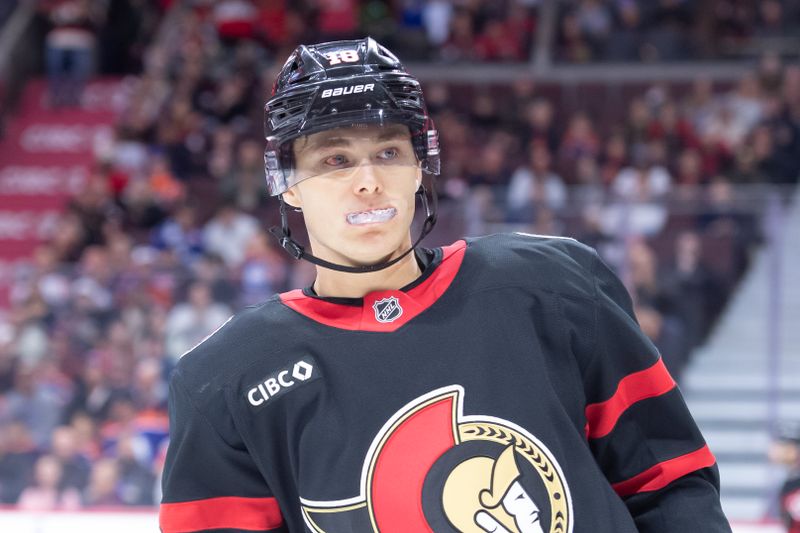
(387, 310)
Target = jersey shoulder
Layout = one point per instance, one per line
(231, 347)
(556, 264)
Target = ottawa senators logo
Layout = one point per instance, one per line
(432, 469)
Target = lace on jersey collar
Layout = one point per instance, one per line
(383, 311)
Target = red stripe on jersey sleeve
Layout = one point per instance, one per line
(256, 514)
(665, 472)
(649, 383)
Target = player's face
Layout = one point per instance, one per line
(358, 198)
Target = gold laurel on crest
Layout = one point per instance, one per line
(538, 459)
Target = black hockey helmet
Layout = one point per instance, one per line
(336, 85)
(339, 84)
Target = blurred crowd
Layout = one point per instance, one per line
(676, 30)
(168, 238)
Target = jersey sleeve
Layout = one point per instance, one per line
(637, 423)
(210, 481)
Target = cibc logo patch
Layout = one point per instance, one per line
(282, 381)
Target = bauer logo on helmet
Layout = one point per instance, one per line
(350, 89)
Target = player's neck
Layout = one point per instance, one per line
(331, 283)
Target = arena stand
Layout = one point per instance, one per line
(159, 233)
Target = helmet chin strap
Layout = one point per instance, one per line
(296, 250)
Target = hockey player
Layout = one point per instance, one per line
(497, 384)
(785, 450)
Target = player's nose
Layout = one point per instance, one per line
(366, 180)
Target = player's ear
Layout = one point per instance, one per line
(292, 198)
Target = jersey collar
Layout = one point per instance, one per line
(383, 311)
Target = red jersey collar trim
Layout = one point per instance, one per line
(382, 311)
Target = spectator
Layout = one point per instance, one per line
(643, 182)
(693, 290)
(94, 206)
(18, 456)
(188, 323)
(102, 489)
(699, 106)
(35, 402)
(624, 41)
(670, 127)
(140, 206)
(491, 168)
(459, 45)
(245, 185)
(637, 124)
(573, 46)
(535, 186)
(437, 16)
(589, 190)
(234, 20)
(580, 139)
(211, 270)
(746, 102)
(228, 233)
(135, 478)
(785, 451)
(92, 395)
(180, 234)
(666, 333)
(336, 19)
(594, 21)
(167, 190)
(263, 272)
(724, 129)
(690, 168)
(69, 49)
(497, 43)
(149, 389)
(539, 124)
(655, 310)
(614, 157)
(774, 166)
(44, 494)
(68, 238)
(74, 466)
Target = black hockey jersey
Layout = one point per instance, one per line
(790, 503)
(507, 389)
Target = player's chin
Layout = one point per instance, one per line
(372, 256)
(371, 251)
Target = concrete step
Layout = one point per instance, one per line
(742, 382)
(732, 425)
(735, 441)
(730, 383)
(732, 395)
(708, 366)
(708, 410)
(743, 508)
(748, 475)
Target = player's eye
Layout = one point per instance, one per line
(335, 161)
(389, 154)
